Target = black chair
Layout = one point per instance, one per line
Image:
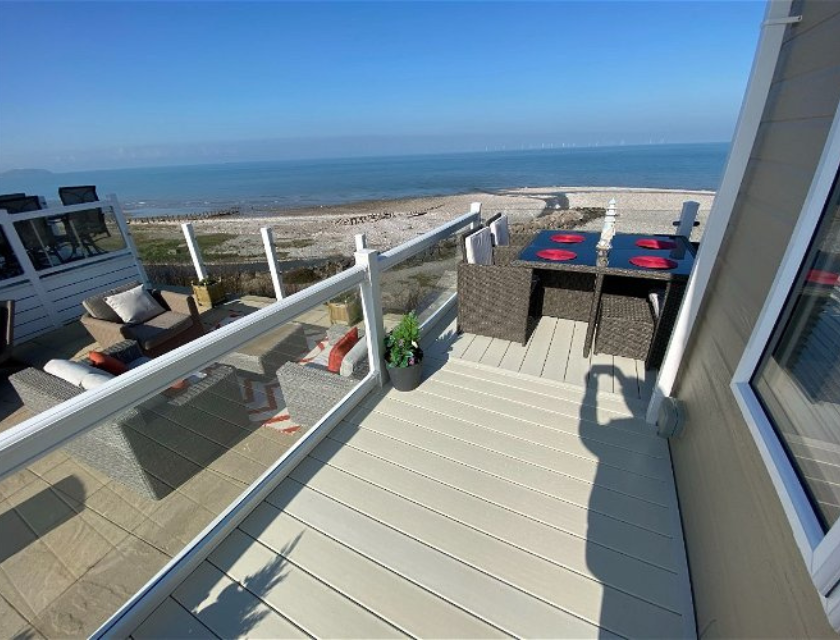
(90, 222)
(37, 235)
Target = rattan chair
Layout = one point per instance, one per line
(496, 300)
(152, 447)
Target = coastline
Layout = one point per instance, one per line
(316, 232)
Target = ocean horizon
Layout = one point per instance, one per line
(289, 184)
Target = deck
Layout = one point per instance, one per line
(487, 503)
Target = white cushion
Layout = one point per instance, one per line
(135, 305)
(69, 371)
(501, 231)
(480, 247)
(656, 300)
(95, 379)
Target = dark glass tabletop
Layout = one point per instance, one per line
(675, 249)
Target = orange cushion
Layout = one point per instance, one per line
(107, 363)
(341, 348)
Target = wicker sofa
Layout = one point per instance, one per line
(310, 390)
(179, 324)
(152, 447)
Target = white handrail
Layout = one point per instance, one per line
(23, 444)
(411, 248)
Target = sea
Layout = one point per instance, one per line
(289, 184)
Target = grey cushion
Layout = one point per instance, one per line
(99, 309)
(159, 329)
(135, 305)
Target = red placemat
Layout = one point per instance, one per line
(822, 277)
(567, 238)
(653, 262)
(653, 243)
(556, 255)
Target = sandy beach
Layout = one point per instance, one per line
(317, 232)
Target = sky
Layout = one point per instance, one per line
(121, 84)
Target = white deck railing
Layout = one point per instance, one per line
(49, 297)
(34, 438)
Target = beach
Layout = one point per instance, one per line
(310, 233)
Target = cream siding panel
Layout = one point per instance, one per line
(747, 573)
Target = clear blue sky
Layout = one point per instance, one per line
(114, 84)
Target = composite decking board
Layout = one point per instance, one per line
(601, 374)
(621, 506)
(574, 593)
(565, 403)
(556, 511)
(520, 406)
(649, 446)
(495, 352)
(557, 360)
(625, 378)
(552, 388)
(229, 609)
(621, 571)
(577, 371)
(538, 346)
(394, 598)
(459, 346)
(289, 589)
(632, 502)
(513, 358)
(478, 346)
(646, 478)
(502, 605)
(574, 443)
(171, 620)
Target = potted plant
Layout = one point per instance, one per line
(403, 355)
(208, 291)
(346, 308)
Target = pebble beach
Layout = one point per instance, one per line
(323, 231)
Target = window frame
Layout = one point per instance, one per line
(820, 550)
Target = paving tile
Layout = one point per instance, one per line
(47, 463)
(113, 507)
(212, 491)
(12, 624)
(15, 482)
(238, 467)
(74, 480)
(17, 535)
(100, 592)
(32, 578)
(41, 507)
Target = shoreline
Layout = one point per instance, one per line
(316, 232)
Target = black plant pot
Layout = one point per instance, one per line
(406, 378)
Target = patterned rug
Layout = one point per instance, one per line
(264, 399)
(266, 405)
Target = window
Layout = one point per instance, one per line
(798, 378)
(788, 381)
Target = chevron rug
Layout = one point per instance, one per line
(266, 405)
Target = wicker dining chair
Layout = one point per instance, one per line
(495, 300)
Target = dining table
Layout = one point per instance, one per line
(663, 259)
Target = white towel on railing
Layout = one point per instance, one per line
(480, 247)
(500, 230)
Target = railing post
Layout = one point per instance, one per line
(271, 256)
(475, 207)
(125, 230)
(195, 250)
(687, 217)
(28, 268)
(372, 307)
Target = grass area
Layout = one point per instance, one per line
(154, 250)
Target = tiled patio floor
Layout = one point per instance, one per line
(76, 543)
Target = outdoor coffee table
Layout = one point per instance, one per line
(545, 252)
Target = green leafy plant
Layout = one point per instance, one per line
(205, 282)
(402, 344)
